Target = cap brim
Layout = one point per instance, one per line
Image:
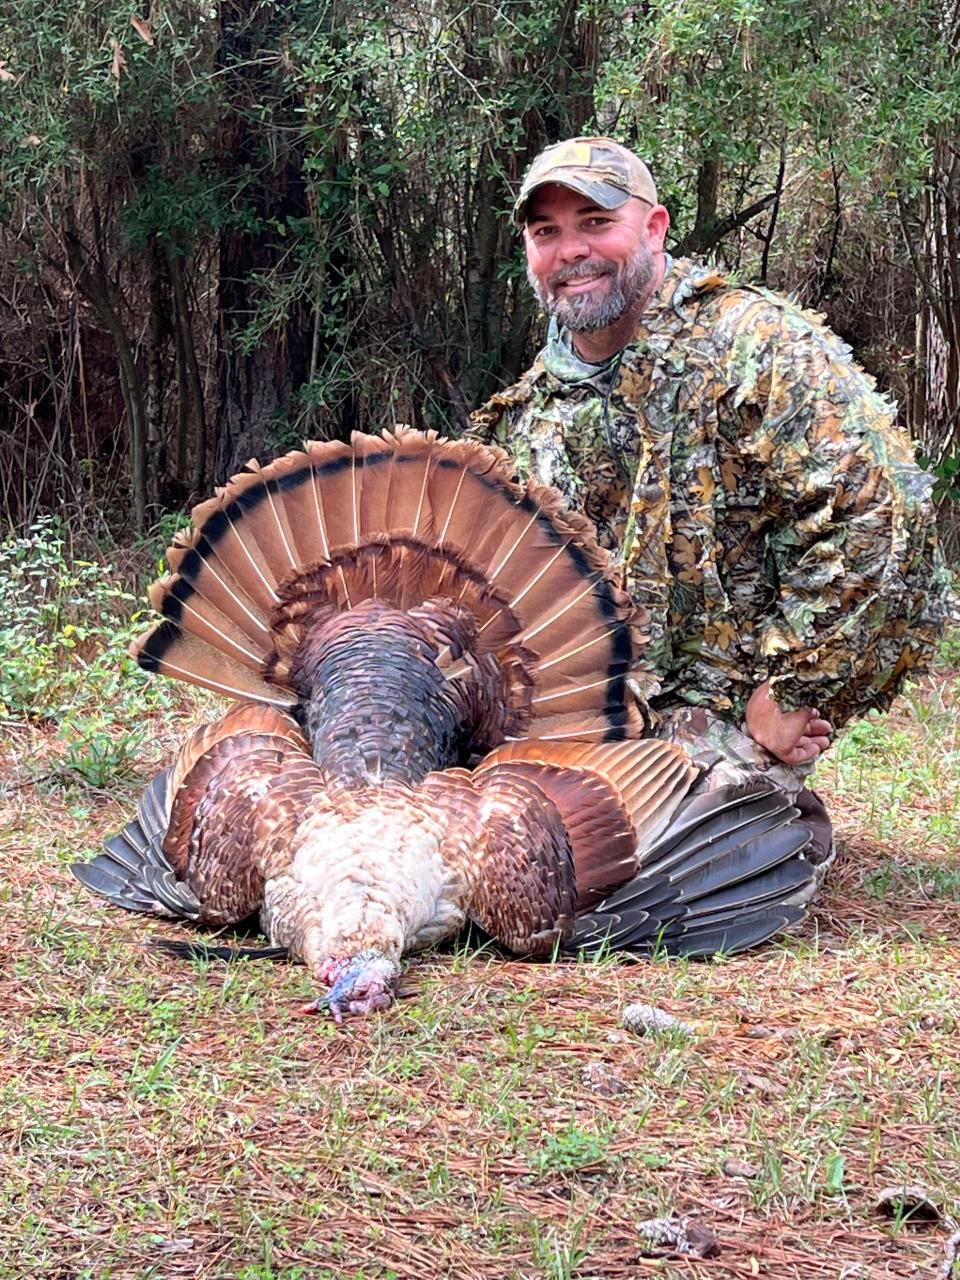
(603, 194)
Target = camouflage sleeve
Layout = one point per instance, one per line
(494, 422)
(489, 424)
(861, 591)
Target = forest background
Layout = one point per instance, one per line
(224, 228)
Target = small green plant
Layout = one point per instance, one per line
(561, 1253)
(571, 1149)
(150, 1080)
(948, 650)
(152, 546)
(834, 1175)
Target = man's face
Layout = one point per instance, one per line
(589, 266)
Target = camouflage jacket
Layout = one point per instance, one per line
(765, 507)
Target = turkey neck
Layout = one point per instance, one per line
(376, 706)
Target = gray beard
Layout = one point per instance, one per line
(587, 314)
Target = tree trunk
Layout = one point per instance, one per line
(154, 461)
(255, 390)
(257, 384)
(191, 384)
(700, 238)
(96, 288)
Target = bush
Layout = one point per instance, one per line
(64, 630)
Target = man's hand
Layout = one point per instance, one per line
(794, 737)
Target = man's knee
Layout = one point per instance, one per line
(729, 757)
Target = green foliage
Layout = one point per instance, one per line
(153, 546)
(63, 652)
(947, 473)
(948, 650)
(570, 1150)
(367, 157)
(834, 1179)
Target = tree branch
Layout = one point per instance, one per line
(693, 243)
(774, 213)
(835, 235)
(929, 292)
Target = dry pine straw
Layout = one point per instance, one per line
(162, 1119)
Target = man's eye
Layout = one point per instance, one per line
(598, 221)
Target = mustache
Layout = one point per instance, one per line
(578, 270)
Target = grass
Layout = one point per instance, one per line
(162, 1119)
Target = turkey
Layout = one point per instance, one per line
(433, 726)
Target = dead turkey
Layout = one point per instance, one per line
(435, 727)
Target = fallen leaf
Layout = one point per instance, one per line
(142, 28)
(119, 61)
(763, 1084)
(177, 1244)
(601, 1079)
(678, 1236)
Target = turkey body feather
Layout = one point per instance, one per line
(434, 726)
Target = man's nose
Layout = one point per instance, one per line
(573, 246)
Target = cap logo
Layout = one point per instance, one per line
(573, 155)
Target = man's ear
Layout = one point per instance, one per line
(658, 224)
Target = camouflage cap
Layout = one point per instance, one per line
(599, 168)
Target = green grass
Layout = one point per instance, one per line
(164, 1119)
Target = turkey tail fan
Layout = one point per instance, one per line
(132, 871)
(405, 518)
(726, 874)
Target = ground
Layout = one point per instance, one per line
(166, 1119)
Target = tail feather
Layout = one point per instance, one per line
(169, 651)
(133, 871)
(306, 502)
(220, 588)
(220, 534)
(196, 612)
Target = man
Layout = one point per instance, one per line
(765, 507)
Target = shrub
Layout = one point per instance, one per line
(64, 630)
